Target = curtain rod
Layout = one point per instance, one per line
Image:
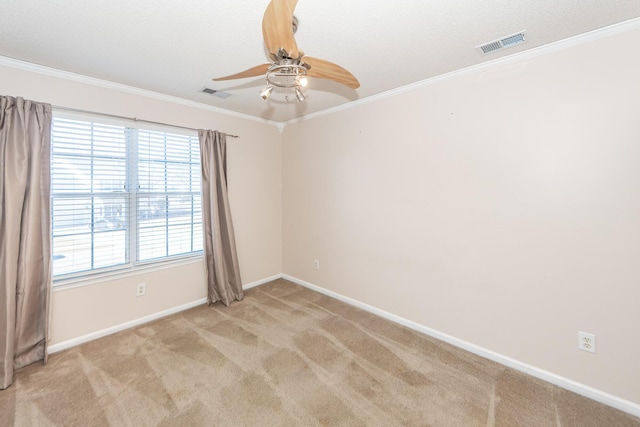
(135, 119)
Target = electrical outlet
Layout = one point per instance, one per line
(316, 264)
(141, 288)
(586, 342)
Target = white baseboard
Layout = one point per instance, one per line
(261, 282)
(576, 387)
(142, 320)
(122, 326)
(582, 389)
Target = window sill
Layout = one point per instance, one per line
(77, 282)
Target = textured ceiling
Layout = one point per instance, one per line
(177, 47)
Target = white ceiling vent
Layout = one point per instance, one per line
(503, 43)
(218, 93)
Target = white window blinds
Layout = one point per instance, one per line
(168, 204)
(122, 196)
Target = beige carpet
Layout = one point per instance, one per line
(285, 356)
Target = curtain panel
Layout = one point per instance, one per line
(221, 259)
(25, 233)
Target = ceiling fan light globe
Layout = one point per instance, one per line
(266, 92)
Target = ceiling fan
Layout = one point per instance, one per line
(289, 66)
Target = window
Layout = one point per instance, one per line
(122, 196)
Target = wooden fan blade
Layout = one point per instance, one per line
(260, 70)
(328, 70)
(277, 27)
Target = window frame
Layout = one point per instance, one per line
(132, 266)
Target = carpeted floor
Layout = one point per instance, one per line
(285, 356)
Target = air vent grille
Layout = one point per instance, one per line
(503, 43)
(218, 93)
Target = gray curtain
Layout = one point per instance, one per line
(223, 272)
(25, 230)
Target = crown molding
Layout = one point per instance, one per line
(80, 78)
(577, 40)
(560, 45)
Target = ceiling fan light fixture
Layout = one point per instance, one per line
(287, 74)
(303, 81)
(266, 92)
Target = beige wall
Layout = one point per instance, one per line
(254, 164)
(501, 207)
